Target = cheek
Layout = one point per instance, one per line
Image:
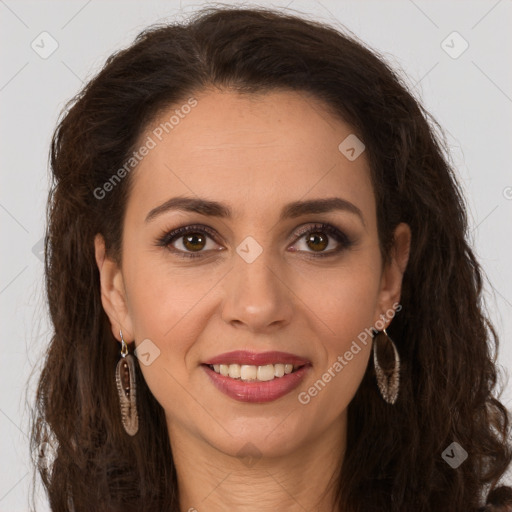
(162, 296)
(169, 306)
(344, 305)
(169, 311)
(344, 299)
(343, 348)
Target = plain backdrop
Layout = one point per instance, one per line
(455, 55)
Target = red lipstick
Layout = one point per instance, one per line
(255, 391)
(257, 358)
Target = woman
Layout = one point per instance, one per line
(260, 286)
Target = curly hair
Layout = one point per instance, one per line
(446, 341)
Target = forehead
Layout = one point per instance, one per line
(254, 151)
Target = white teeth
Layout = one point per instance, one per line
(265, 372)
(278, 370)
(250, 372)
(234, 371)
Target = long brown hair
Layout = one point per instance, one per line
(446, 342)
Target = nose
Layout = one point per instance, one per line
(257, 297)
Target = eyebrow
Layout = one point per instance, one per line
(289, 211)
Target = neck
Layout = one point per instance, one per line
(303, 479)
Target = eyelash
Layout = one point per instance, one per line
(168, 237)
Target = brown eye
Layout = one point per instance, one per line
(194, 241)
(188, 241)
(319, 237)
(317, 241)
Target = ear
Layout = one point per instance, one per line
(113, 294)
(392, 273)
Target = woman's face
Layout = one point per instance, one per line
(253, 280)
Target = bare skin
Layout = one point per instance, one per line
(255, 154)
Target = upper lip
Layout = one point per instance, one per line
(257, 358)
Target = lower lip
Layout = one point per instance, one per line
(257, 392)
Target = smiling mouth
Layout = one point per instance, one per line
(247, 373)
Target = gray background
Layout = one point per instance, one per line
(470, 95)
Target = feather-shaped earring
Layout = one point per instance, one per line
(387, 366)
(126, 388)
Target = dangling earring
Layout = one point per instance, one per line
(387, 366)
(126, 388)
